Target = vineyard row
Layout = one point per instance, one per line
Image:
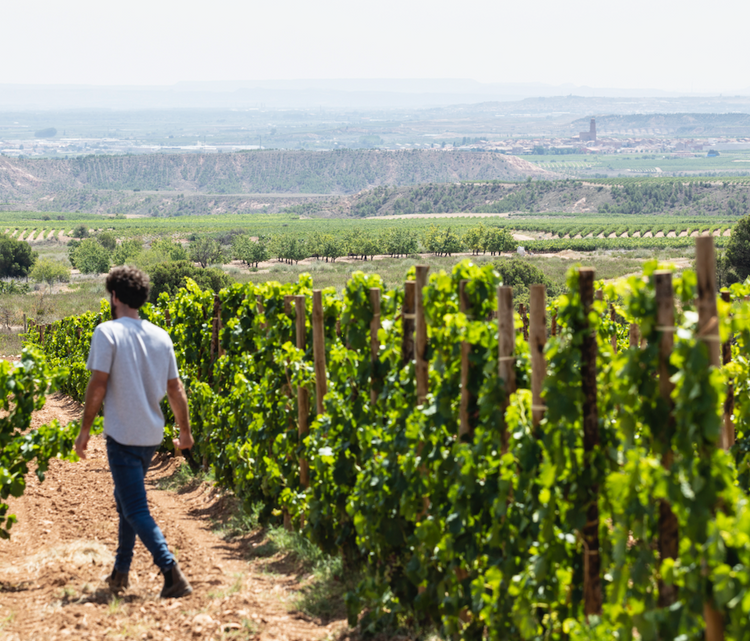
(501, 475)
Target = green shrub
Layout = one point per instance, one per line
(50, 272)
(127, 251)
(170, 249)
(90, 257)
(738, 249)
(107, 240)
(169, 277)
(520, 274)
(16, 257)
(81, 231)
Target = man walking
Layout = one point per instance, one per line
(133, 366)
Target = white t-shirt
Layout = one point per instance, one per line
(139, 358)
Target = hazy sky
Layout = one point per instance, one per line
(661, 44)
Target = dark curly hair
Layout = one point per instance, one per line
(130, 284)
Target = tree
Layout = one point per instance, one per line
(315, 244)
(360, 244)
(333, 248)
(206, 251)
(725, 274)
(289, 248)
(81, 231)
(368, 246)
(249, 251)
(50, 272)
(738, 249)
(91, 258)
(127, 251)
(169, 277)
(107, 240)
(442, 241)
(520, 274)
(398, 241)
(474, 238)
(170, 249)
(497, 240)
(16, 258)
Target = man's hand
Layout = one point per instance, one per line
(95, 391)
(185, 442)
(82, 442)
(178, 402)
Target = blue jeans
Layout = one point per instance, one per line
(129, 464)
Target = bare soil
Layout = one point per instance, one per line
(456, 215)
(61, 549)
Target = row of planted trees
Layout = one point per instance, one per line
(569, 473)
(363, 244)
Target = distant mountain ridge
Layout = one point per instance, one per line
(260, 172)
(357, 93)
(626, 105)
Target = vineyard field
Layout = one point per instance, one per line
(728, 163)
(548, 225)
(470, 461)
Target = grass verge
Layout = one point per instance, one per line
(183, 479)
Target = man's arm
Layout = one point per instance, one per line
(95, 391)
(178, 402)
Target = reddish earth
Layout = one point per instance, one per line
(52, 568)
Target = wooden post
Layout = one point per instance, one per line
(465, 428)
(592, 589)
(167, 319)
(303, 394)
(506, 341)
(553, 325)
(726, 358)
(288, 298)
(708, 322)
(407, 322)
(25, 326)
(612, 317)
(374, 342)
(319, 350)
(537, 340)
(422, 366)
(714, 623)
(708, 330)
(635, 335)
(525, 319)
(668, 527)
(506, 338)
(665, 319)
(708, 319)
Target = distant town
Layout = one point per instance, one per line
(586, 142)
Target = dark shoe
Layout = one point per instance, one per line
(118, 581)
(175, 584)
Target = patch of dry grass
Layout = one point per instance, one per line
(76, 554)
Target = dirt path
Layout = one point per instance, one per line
(51, 570)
